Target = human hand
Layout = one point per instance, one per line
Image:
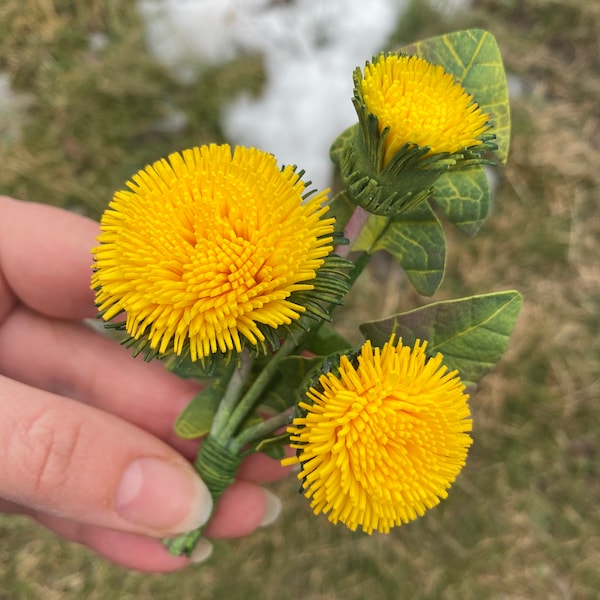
(86, 435)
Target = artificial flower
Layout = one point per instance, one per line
(209, 248)
(381, 440)
(415, 122)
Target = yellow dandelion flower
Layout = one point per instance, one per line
(382, 441)
(421, 104)
(209, 247)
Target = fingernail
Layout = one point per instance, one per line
(166, 496)
(272, 508)
(202, 552)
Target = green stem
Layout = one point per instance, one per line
(184, 543)
(261, 430)
(217, 466)
(232, 395)
(248, 401)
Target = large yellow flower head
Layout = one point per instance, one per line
(209, 247)
(382, 441)
(421, 105)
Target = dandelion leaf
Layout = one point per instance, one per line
(415, 239)
(463, 197)
(283, 393)
(197, 417)
(326, 340)
(472, 333)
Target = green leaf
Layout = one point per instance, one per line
(274, 452)
(196, 419)
(473, 57)
(463, 196)
(415, 239)
(326, 340)
(284, 392)
(370, 233)
(273, 446)
(472, 333)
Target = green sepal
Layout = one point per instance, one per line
(344, 140)
(400, 185)
(322, 366)
(463, 197)
(330, 285)
(196, 418)
(473, 58)
(415, 239)
(207, 369)
(471, 333)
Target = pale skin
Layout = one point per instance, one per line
(77, 411)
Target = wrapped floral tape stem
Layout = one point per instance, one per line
(217, 466)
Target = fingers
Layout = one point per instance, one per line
(7, 298)
(45, 258)
(72, 461)
(73, 360)
(260, 468)
(243, 508)
(128, 550)
(79, 471)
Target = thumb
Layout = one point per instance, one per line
(76, 462)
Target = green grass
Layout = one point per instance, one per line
(522, 521)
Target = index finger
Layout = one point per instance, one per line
(45, 258)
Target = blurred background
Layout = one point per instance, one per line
(92, 91)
